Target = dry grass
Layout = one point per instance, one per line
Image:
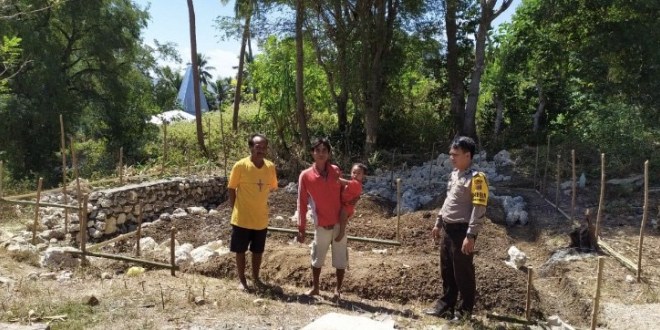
(156, 300)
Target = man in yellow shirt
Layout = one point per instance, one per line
(250, 182)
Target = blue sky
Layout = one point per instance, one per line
(169, 23)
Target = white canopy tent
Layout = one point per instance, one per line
(171, 116)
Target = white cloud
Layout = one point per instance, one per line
(222, 60)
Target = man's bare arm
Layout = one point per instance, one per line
(232, 197)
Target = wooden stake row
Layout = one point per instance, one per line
(2, 177)
(35, 225)
(350, 238)
(63, 152)
(601, 207)
(398, 209)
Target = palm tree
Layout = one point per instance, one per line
(243, 9)
(195, 75)
(203, 68)
(222, 88)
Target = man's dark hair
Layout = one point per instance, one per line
(466, 144)
(251, 139)
(321, 141)
(362, 167)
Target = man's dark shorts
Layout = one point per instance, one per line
(241, 238)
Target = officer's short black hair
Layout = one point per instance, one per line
(251, 139)
(321, 141)
(466, 144)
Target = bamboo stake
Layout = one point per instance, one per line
(594, 313)
(110, 241)
(83, 220)
(431, 167)
(36, 213)
(224, 143)
(74, 161)
(392, 168)
(536, 166)
(82, 215)
(94, 183)
(172, 247)
(66, 197)
(2, 176)
(350, 238)
(19, 202)
(545, 172)
(162, 170)
(398, 209)
(121, 258)
(553, 205)
(528, 304)
(121, 166)
(601, 200)
(644, 217)
(139, 231)
(618, 256)
(574, 185)
(558, 181)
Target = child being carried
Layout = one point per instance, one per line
(351, 190)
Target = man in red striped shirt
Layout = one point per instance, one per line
(319, 187)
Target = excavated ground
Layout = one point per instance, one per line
(409, 272)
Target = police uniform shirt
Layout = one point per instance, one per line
(467, 197)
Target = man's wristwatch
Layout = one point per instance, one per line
(472, 236)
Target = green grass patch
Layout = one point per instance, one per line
(79, 316)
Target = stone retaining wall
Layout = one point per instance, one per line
(116, 210)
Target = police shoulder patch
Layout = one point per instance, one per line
(479, 189)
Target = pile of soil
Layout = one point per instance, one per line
(409, 272)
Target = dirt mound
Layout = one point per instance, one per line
(405, 273)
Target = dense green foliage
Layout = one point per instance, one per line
(85, 62)
(378, 76)
(588, 70)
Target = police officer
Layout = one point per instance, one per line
(459, 219)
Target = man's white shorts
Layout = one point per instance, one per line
(323, 239)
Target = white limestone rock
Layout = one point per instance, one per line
(517, 258)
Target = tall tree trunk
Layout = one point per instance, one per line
(469, 121)
(250, 60)
(239, 75)
(300, 98)
(465, 113)
(377, 40)
(487, 16)
(456, 89)
(370, 114)
(195, 76)
(336, 30)
(540, 108)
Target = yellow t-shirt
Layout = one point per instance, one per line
(252, 186)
